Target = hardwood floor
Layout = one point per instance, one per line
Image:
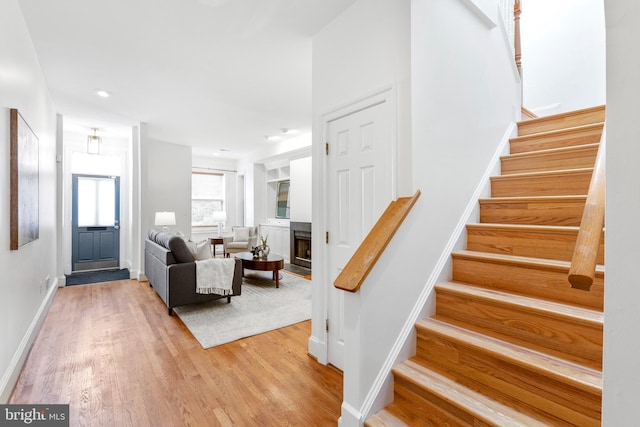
(111, 351)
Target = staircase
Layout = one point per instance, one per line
(511, 343)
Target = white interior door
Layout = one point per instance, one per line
(359, 190)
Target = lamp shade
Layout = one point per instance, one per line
(219, 216)
(165, 218)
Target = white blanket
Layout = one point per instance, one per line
(215, 276)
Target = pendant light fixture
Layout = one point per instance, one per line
(93, 143)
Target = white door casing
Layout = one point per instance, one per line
(359, 188)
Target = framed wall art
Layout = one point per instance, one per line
(24, 181)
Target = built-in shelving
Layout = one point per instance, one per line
(278, 174)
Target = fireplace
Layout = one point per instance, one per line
(300, 243)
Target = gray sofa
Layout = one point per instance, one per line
(171, 270)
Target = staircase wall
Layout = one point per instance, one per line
(465, 96)
(621, 393)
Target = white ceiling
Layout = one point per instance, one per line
(213, 74)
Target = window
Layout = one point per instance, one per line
(282, 200)
(207, 197)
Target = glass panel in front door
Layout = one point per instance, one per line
(96, 201)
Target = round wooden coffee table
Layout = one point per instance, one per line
(273, 263)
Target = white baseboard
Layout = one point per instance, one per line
(318, 349)
(10, 376)
(350, 416)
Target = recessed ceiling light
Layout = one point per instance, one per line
(103, 93)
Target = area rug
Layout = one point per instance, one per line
(87, 277)
(260, 308)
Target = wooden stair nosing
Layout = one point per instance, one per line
(554, 241)
(560, 133)
(546, 183)
(541, 278)
(551, 151)
(572, 113)
(533, 228)
(384, 419)
(565, 158)
(533, 199)
(531, 262)
(562, 330)
(526, 175)
(577, 376)
(571, 314)
(562, 120)
(479, 406)
(533, 210)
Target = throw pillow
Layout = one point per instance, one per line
(180, 250)
(203, 250)
(192, 246)
(241, 235)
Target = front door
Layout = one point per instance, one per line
(95, 222)
(360, 188)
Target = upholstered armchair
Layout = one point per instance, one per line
(243, 240)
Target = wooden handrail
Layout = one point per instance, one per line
(583, 263)
(365, 257)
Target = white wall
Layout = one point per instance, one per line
(300, 194)
(622, 286)
(464, 98)
(165, 183)
(563, 54)
(365, 49)
(24, 287)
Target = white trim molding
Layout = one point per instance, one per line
(318, 342)
(10, 376)
(481, 9)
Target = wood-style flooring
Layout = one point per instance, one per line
(111, 351)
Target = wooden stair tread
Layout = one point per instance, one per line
(562, 120)
(559, 132)
(580, 377)
(533, 210)
(384, 419)
(481, 407)
(552, 309)
(567, 137)
(551, 151)
(532, 199)
(581, 111)
(525, 227)
(543, 183)
(542, 263)
(543, 173)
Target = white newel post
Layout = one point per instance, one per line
(353, 394)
